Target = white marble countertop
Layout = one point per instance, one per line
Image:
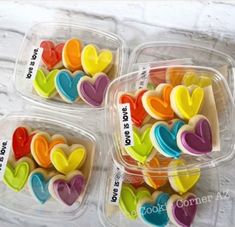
(186, 21)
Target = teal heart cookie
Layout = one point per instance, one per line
(154, 212)
(66, 84)
(38, 185)
(164, 137)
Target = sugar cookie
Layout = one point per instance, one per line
(157, 102)
(52, 54)
(181, 210)
(181, 179)
(21, 141)
(66, 84)
(67, 189)
(92, 90)
(38, 184)
(152, 211)
(164, 137)
(195, 138)
(95, 61)
(129, 198)
(71, 54)
(44, 83)
(16, 173)
(187, 102)
(138, 113)
(66, 159)
(143, 148)
(41, 146)
(158, 179)
(196, 78)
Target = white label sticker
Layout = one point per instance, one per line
(33, 63)
(5, 147)
(126, 124)
(116, 186)
(142, 81)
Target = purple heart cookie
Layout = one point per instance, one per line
(197, 138)
(67, 189)
(92, 90)
(182, 210)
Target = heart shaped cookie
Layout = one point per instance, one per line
(129, 198)
(21, 141)
(187, 102)
(66, 84)
(152, 211)
(164, 137)
(67, 189)
(16, 173)
(138, 113)
(181, 210)
(181, 179)
(195, 138)
(157, 103)
(44, 83)
(65, 159)
(96, 61)
(175, 75)
(143, 148)
(71, 54)
(38, 184)
(41, 146)
(196, 78)
(92, 90)
(52, 54)
(157, 179)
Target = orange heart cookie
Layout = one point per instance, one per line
(41, 146)
(71, 55)
(158, 179)
(157, 103)
(174, 76)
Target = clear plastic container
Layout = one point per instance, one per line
(154, 52)
(22, 202)
(207, 189)
(61, 32)
(223, 104)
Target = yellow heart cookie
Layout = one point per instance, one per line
(182, 180)
(194, 78)
(187, 101)
(95, 61)
(66, 159)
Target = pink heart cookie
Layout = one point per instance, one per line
(92, 90)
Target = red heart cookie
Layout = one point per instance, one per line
(138, 113)
(52, 54)
(21, 141)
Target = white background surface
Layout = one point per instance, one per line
(215, 18)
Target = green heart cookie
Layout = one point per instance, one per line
(15, 178)
(129, 198)
(142, 144)
(44, 85)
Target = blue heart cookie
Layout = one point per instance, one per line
(39, 187)
(164, 138)
(66, 84)
(154, 212)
